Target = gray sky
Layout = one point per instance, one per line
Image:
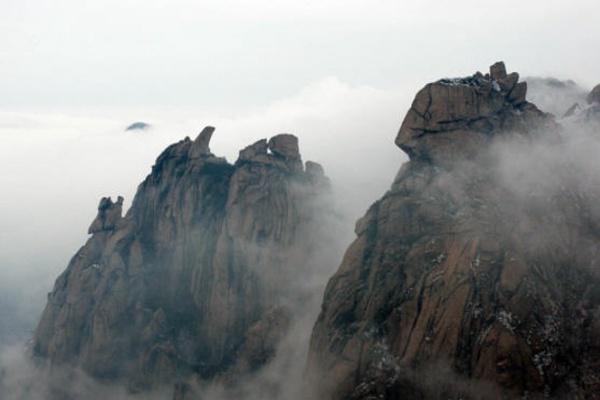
(215, 54)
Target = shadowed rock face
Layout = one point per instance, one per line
(192, 281)
(457, 285)
(109, 214)
(594, 95)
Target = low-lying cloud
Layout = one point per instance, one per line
(56, 168)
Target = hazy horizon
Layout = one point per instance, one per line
(340, 75)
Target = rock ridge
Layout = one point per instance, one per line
(191, 283)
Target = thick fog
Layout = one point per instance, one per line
(339, 75)
(555, 96)
(58, 166)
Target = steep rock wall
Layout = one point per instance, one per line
(177, 288)
(461, 283)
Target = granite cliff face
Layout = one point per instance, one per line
(476, 275)
(192, 283)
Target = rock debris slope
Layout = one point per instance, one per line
(476, 275)
(193, 281)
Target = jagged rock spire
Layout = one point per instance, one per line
(200, 146)
(283, 150)
(498, 71)
(109, 214)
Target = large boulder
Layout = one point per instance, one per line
(109, 214)
(200, 147)
(451, 119)
(285, 146)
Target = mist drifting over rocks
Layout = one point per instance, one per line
(474, 275)
(201, 279)
(79, 158)
(554, 95)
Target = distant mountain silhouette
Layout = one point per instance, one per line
(138, 126)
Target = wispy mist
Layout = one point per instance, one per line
(60, 165)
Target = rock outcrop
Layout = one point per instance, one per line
(462, 283)
(452, 119)
(594, 95)
(192, 283)
(109, 214)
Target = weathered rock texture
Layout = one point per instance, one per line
(460, 285)
(192, 282)
(453, 119)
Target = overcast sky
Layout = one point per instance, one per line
(216, 54)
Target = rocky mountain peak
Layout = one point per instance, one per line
(281, 150)
(196, 281)
(498, 71)
(472, 277)
(109, 214)
(254, 151)
(200, 146)
(138, 126)
(286, 146)
(594, 95)
(451, 119)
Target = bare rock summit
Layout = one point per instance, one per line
(474, 276)
(194, 283)
(451, 119)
